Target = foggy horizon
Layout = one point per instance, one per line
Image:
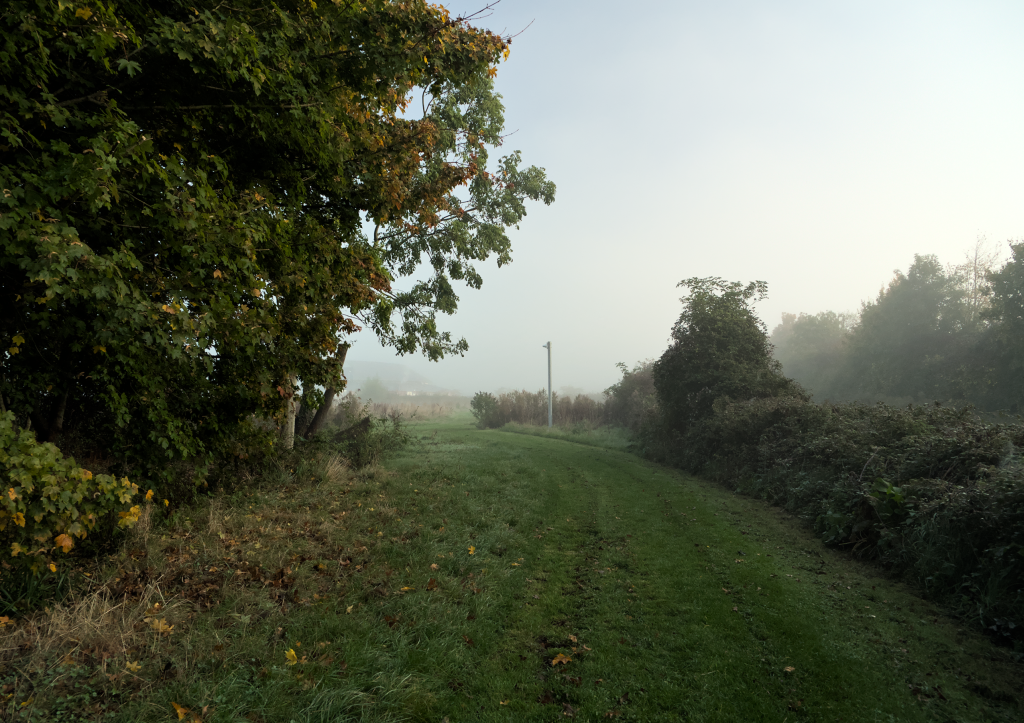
(815, 148)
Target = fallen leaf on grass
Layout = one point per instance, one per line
(180, 710)
(432, 584)
(408, 589)
(502, 702)
(572, 638)
(132, 667)
(291, 657)
(433, 566)
(348, 610)
(612, 714)
(472, 550)
(789, 669)
(563, 659)
(469, 640)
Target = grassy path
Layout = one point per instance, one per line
(689, 603)
(491, 576)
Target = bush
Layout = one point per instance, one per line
(485, 408)
(523, 407)
(933, 493)
(50, 501)
(632, 400)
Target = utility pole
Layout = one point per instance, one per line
(548, 347)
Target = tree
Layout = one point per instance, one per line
(183, 191)
(719, 350)
(812, 348)
(1005, 342)
(910, 339)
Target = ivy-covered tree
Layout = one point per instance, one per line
(182, 193)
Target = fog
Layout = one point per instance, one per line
(815, 146)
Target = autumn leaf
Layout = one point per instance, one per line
(432, 584)
(53, 568)
(132, 667)
(161, 626)
(472, 550)
(14, 495)
(789, 669)
(572, 638)
(149, 495)
(63, 540)
(85, 14)
(433, 565)
(408, 589)
(5, 622)
(563, 659)
(292, 658)
(180, 710)
(348, 610)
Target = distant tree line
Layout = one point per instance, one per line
(952, 334)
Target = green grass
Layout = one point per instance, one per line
(674, 600)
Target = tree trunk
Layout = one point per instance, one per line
(325, 408)
(288, 433)
(57, 426)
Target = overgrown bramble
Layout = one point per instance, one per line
(49, 500)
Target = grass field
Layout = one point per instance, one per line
(492, 576)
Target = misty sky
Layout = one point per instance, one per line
(814, 145)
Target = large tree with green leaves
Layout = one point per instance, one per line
(184, 187)
(719, 350)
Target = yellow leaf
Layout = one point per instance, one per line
(5, 622)
(178, 146)
(18, 339)
(14, 350)
(99, 349)
(53, 568)
(407, 589)
(149, 495)
(19, 519)
(217, 274)
(132, 667)
(64, 540)
(12, 494)
(161, 626)
(180, 710)
(472, 550)
(15, 549)
(292, 658)
(257, 292)
(563, 659)
(84, 13)
(789, 669)
(166, 503)
(491, 72)
(86, 474)
(348, 610)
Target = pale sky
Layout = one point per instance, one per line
(814, 145)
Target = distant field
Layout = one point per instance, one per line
(499, 576)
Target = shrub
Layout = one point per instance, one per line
(485, 408)
(49, 501)
(633, 399)
(933, 493)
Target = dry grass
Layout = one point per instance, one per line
(96, 624)
(412, 411)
